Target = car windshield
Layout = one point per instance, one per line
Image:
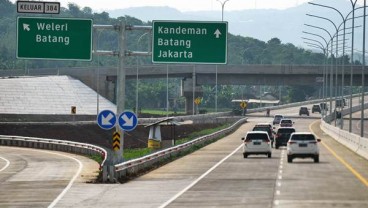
(251, 137)
(302, 137)
(286, 121)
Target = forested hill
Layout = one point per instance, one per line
(241, 50)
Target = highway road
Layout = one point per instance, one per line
(214, 176)
(39, 178)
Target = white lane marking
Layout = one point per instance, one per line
(6, 165)
(279, 178)
(61, 195)
(200, 178)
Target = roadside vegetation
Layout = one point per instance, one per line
(130, 154)
(153, 93)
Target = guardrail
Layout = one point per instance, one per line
(53, 144)
(132, 167)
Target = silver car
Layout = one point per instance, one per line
(257, 143)
(303, 145)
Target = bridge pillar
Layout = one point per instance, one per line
(187, 91)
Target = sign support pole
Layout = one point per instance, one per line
(120, 104)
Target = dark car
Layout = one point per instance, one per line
(282, 136)
(340, 102)
(277, 118)
(323, 106)
(267, 128)
(303, 111)
(316, 108)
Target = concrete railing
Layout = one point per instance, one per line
(53, 144)
(132, 167)
(352, 141)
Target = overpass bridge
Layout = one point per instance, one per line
(248, 74)
(274, 75)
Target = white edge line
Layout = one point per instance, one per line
(6, 165)
(200, 178)
(61, 195)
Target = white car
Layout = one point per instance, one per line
(302, 145)
(257, 143)
(286, 122)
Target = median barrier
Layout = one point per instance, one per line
(134, 166)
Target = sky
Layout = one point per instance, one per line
(184, 5)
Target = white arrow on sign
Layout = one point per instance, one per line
(217, 33)
(128, 121)
(26, 27)
(106, 120)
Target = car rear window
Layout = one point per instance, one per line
(251, 137)
(286, 121)
(285, 131)
(261, 128)
(302, 137)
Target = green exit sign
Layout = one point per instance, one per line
(54, 38)
(189, 42)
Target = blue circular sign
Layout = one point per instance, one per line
(128, 121)
(106, 119)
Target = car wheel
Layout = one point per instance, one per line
(290, 159)
(316, 159)
(277, 146)
(245, 155)
(269, 155)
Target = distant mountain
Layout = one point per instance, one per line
(287, 25)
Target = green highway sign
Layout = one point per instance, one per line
(54, 38)
(189, 42)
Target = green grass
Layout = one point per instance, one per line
(161, 112)
(195, 135)
(97, 157)
(129, 154)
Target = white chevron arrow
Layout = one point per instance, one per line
(106, 120)
(128, 121)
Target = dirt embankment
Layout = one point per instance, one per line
(93, 134)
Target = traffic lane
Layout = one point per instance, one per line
(355, 123)
(158, 186)
(35, 178)
(238, 182)
(329, 183)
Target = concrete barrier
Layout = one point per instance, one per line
(354, 142)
